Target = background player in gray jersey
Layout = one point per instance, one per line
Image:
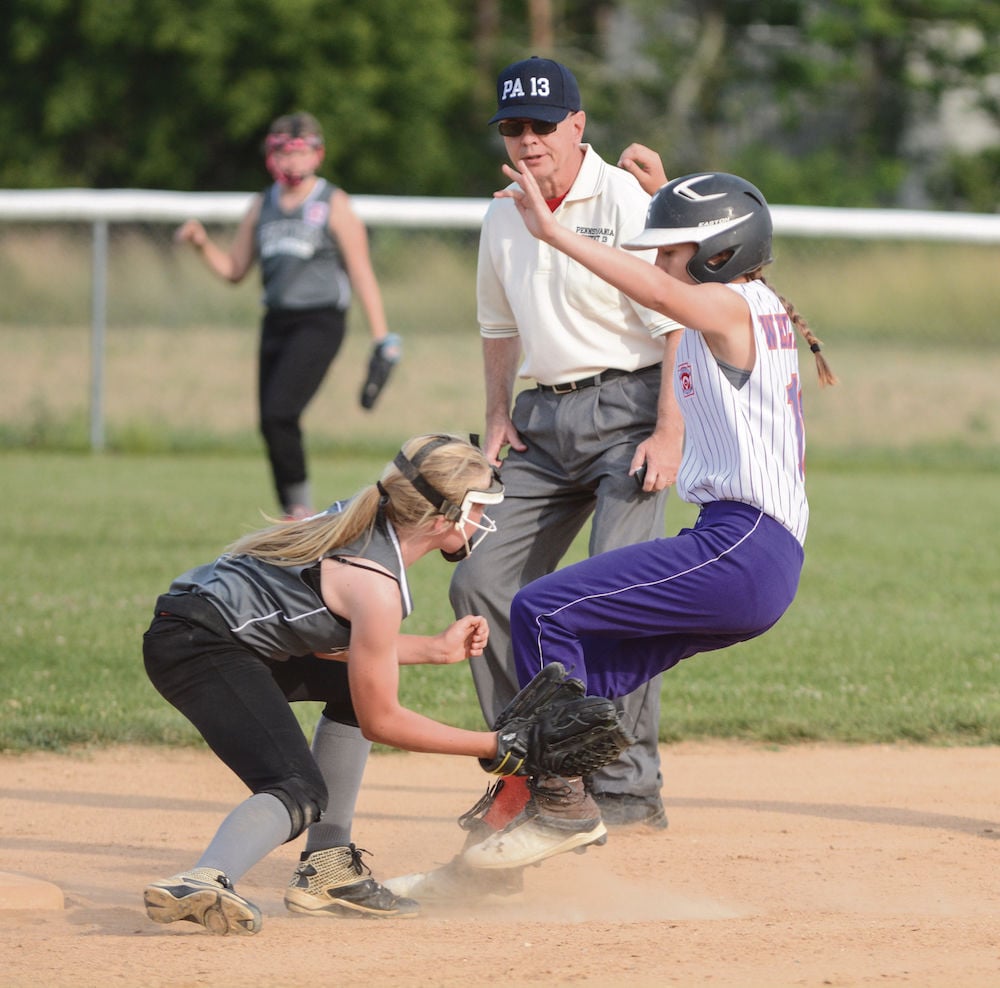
(618, 619)
(313, 251)
(234, 642)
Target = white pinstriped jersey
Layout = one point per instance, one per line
(748, 444)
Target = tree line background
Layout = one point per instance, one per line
(832, 102)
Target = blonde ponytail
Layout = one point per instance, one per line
(452, 468)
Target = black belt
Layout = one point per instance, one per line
(589, 382)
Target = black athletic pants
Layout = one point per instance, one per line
(297, 347)
(238, 701)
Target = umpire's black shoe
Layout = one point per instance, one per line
(624, 809)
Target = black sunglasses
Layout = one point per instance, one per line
(515, 128)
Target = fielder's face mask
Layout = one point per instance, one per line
(283, 144)
(457, 514)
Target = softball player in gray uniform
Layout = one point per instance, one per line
(313, 253)
(618, 619)
(234, 642)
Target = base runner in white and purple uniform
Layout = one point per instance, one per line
(619, 618)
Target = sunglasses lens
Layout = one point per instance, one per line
(515, 128)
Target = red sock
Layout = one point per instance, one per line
(510, 800)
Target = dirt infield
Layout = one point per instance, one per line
(810, 865)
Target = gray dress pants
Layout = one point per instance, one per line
(580, 446)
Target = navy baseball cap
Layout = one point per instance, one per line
(536, 89)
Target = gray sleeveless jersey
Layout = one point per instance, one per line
(277, 610)
(300, 262)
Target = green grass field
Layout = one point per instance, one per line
(893, 635)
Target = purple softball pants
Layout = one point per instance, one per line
(619, 618)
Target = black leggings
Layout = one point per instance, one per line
(240, 703)
(297, 347)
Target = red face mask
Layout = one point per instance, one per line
(284, 144)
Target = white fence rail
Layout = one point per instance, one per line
(134, 205)
(100, 208)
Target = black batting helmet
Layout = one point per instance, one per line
(716, 211)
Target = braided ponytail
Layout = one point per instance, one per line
(826, 375)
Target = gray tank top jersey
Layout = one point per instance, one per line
(300, 262)
(277, 610)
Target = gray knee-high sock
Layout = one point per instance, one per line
(251, 831)
(341, 752)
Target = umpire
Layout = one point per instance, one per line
(597, 419)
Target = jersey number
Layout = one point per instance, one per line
(793, 395)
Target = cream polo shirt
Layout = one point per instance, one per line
(571, 323)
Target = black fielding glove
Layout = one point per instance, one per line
(385, 355)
